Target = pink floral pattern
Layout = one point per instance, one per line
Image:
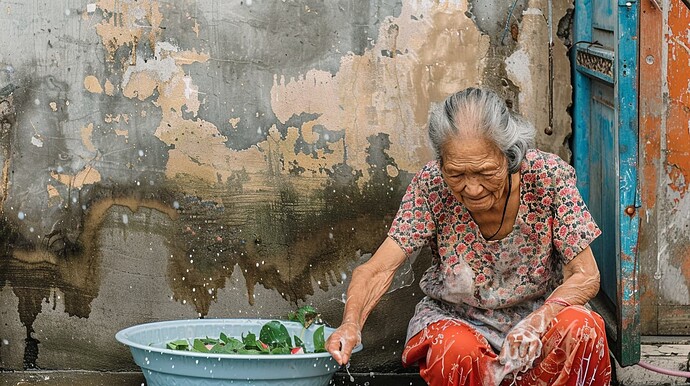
(493, 284)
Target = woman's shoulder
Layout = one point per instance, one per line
(429, 173)
(538, 161)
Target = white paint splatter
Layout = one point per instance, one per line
(518, 68)
(91, 8)
(36, 141)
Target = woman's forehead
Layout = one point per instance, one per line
(470, 151)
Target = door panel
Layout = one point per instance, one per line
(605, 156)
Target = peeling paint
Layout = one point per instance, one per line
(398, 81)
(92, 85)
(86, 133)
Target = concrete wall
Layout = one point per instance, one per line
(177, 159)
(665, 169)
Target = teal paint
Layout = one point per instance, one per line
(605, 143)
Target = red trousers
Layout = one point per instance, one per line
(574, 353)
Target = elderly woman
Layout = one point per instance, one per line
(511, 267)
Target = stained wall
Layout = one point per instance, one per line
(182, 159)
(664, 245)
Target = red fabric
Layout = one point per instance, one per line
(574, 353)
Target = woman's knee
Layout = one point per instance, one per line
(579, 322)
(456, 340)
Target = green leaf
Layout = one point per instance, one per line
(250, 341)
(208, 340)
(219, 349)
(274, 333)
(234, 344)
(305, 315)
(299, 343)
(264, 348)
(199, 346)
(319, 341)
(280, 350)
(224, 337)
(249, 352)
(180, 344)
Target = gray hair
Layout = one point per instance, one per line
(483, 112)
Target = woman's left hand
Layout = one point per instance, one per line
(522, 345)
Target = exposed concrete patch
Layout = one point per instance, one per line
(528, 69)
(12, 334)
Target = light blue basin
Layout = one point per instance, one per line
(164, 367)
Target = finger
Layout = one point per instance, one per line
(534, 350)
(515, 348)
(524, 348)
(333, 346)
(502, 356)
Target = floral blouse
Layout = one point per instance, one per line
(492, 285)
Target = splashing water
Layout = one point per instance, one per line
(347, 368)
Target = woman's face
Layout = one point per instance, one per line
(475, 170)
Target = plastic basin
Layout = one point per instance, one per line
(165, 367)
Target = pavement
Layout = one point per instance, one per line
(665, 352)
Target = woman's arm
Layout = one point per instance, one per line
(580, 280)
(580, 284)
(369, 283)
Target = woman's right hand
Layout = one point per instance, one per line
(343, 340)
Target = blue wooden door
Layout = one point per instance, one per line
(605, 156)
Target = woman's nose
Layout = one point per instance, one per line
(473, 187)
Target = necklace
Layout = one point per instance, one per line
(503, 216)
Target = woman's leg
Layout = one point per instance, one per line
(574, 353)
(451, 353)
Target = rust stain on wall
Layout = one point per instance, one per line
(678, 156)
(651, 110)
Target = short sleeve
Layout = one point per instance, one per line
(573, 226)
(413, 225)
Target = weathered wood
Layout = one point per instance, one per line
(674, 320)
